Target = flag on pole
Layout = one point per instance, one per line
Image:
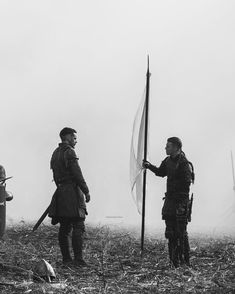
(139, 149)
(137, 155)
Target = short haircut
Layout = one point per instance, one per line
(66, 131)
(176, 141)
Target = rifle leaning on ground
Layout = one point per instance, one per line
(45, 213)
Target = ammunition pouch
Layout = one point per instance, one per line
(181, 212)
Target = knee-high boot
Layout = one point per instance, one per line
(77, 244)
(173, 251)
(64, 236)
(186, 249)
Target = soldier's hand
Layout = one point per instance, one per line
(146, 164)
(88, 198)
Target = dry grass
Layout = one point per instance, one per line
(115, 265)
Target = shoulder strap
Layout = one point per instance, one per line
(190, 164)
(64, 156)
(192, 173)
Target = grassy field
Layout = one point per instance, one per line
(115, 265)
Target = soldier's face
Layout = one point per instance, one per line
(72, 139)
(171, 149)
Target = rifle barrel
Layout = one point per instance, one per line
(45, 213)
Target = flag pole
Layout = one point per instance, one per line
(145, 155)
(233, 170)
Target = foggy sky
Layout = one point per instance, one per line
(82, 64)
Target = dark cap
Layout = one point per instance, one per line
(66, 131)
(176, 141)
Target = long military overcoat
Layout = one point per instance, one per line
(68, 199)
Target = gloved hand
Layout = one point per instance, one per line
(88, 197)
(146, 164)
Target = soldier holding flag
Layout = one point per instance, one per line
(175, 211)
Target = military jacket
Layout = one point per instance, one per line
(179, 177)
(68, 199)
(178, 172)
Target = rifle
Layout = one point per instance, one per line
(45, 213)
(190, 205)
(2, 181)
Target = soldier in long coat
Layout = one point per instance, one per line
(179, 173)
(68, 202)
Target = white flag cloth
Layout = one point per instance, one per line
(137, 155)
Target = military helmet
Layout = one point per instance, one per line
(44, 270)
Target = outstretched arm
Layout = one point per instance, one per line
(158, 171)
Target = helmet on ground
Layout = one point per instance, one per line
(43, 270)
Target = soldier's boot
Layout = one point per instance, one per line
(64, 244)
(181, 250)
(186, 250)
(77, 244)
(173, 252)
(170, 249)
(181, 229)
(176, 257)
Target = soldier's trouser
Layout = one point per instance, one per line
(77, 228)
(178, 244)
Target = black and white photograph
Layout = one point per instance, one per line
(117, 168)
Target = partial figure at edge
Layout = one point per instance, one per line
(4, 196)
